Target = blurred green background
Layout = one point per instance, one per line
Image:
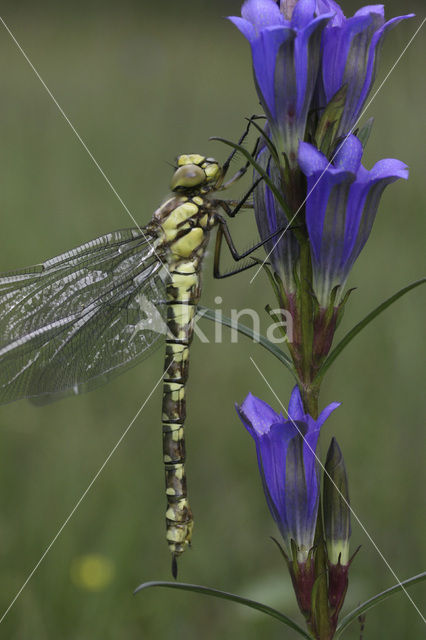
(143, 82)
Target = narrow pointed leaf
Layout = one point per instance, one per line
(364, 133)
(277, 320)
(266, 140)
(229, 596)
(274, 281)
(361, 325)
(246, 331)
(330, 121)
(372, 602)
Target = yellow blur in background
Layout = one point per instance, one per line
(92, 572)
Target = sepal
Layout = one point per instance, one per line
(326, 321)
(303, 579)
(342, 305)
(337, 586)
(337, 528)
(364, 133)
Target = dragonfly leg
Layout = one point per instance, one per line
(238, 174)
(223, 232)
(240, 142)
(232, 207)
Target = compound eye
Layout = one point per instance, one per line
(190, 175)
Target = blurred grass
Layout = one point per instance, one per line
(141, 84)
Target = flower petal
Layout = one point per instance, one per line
(303, 13)
(325, 413)
(258, 414)
(246, 27)
(264, 52)
(295, 405)
(349, 154)
(330, 6)
(262, 13)
(311, 160)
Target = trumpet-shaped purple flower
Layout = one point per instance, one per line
(351, 48)
(287, 463)
(341, 207)
(286, 59)
(282, 249)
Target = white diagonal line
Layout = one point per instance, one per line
(342, 496)
(373, 97)
(80, 139)
(84, 494)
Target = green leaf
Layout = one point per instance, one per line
(276, 283)
(259, 170)
(372, 602)
(266, 140)
(364, 133)
(330, 121)
(278, 321)
(361, 325)
(228, 596)
(205, 312)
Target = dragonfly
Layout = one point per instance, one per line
(81, 318)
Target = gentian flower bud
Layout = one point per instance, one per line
(337, 519)
(337, 527)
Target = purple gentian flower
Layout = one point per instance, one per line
(282, 249)
(287, 463)
(341, 206)
(351, 48)
(286, 59)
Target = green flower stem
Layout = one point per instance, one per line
(320, 624)
(320, 592)
(308, 390)
(306, 314)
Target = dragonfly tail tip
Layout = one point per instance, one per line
(174, 567)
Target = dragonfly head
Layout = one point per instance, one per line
(196, 173)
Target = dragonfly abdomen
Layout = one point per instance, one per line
(183, 292)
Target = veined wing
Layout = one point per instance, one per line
(72, 323)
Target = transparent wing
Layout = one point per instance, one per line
(72, 323)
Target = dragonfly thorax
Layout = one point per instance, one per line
(185, 222)
(187, 218)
